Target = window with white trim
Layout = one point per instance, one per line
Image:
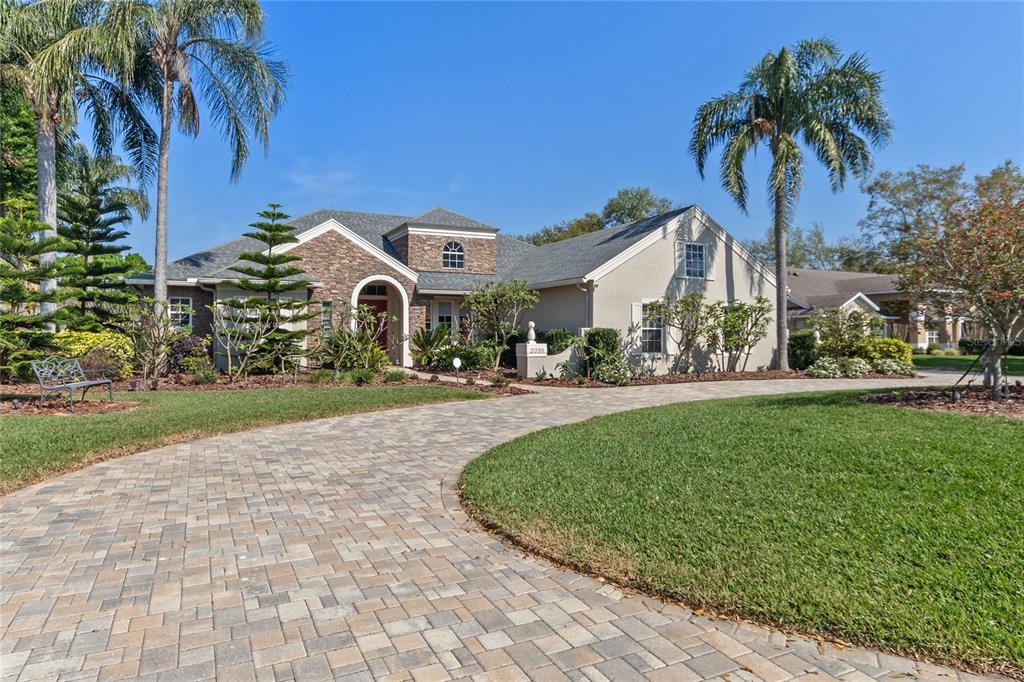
(933, 336)
(179, 309)
(326, 318)
(444, 314)
(374, 290)
(453, 256)
(652, 330)
(694, 261)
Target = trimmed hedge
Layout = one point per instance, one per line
(803, 351)
(557, 339)
(873, 348)
(975, 346)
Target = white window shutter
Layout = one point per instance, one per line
(636, 320)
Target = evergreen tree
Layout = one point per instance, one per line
(24, 331)
(270, 275)
(90, 210)
(17, 148)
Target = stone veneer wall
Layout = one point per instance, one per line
(424, 253)
(340, 265)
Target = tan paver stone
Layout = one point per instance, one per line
(279, 552)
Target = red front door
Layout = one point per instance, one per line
(379, 305)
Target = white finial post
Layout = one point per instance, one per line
(531, 333)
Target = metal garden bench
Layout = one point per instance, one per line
(59, 374)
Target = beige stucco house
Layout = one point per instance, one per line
(419, 268)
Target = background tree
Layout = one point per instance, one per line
(17, 148)
(497, 308)
(808, 91)
(270, 276)
(628, 205)
(66, 55)
(975, 264)
(811, 249)
(211, 52)
(91, 208)
(734, 328)
(24, 329)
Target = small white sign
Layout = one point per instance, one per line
(457, 362)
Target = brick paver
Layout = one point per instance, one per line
(336, 548)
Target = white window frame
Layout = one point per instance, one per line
(703, 260)
(931, 336)
(180, 308)
(456, 253)
(645, 328)
(451, 315)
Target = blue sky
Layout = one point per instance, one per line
(524, 114)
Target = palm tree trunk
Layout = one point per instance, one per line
(46, 196)
(781, 293)
(160, 260)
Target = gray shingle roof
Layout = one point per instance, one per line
(830, 288)
(564, 260)
(445, 218)
(576, 257)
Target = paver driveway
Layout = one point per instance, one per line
(336, 549)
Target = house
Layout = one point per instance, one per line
(418, 268)
(877, 294)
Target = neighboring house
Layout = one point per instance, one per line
(419, 268)
(814, 290)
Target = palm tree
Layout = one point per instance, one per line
(67, 55)
(210, 51)
(806, 91)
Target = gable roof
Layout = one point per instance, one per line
(445, 218)
(831, 288)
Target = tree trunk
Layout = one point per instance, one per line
(46, 167)
(781, 294)
(995, 369)
(160, 259)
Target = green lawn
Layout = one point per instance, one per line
(31, 447)
(962, 362)
(884, 525)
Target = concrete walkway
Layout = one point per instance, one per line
(335, 549)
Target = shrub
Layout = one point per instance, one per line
(394, 375)
(119, 349)
(825, 368)
(201, 369)
(101, 362)
(499, 382)
(362, 375)
(612, 370)
(426, 343)
(476, 356)
(854, 368)
(470, 381)
(346, 350)
(873, 348)
(891, 367)
(558, 340)
(803, 350)
(839, 332)
(320, 376)
(434, 377)
(184, 347)
(599, 343)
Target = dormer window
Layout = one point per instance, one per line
(453, 256)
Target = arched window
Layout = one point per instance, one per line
(452, 256)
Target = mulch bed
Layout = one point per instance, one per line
(58, 407)
(967, 400)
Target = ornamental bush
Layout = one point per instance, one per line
(873, 348)
(803, 350)
(600, 343)
(185, 347)
(475, 356)
(893, 367)
(854, 368)
(612, 370)
(558, 340)
(117, 346)
(825, 368)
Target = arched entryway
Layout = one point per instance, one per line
(386, 294)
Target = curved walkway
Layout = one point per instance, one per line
(335, 549)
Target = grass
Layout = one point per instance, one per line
(890, 527)
(960, 363)
(32, 447)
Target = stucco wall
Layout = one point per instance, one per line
(657, 271)
(559, 307)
